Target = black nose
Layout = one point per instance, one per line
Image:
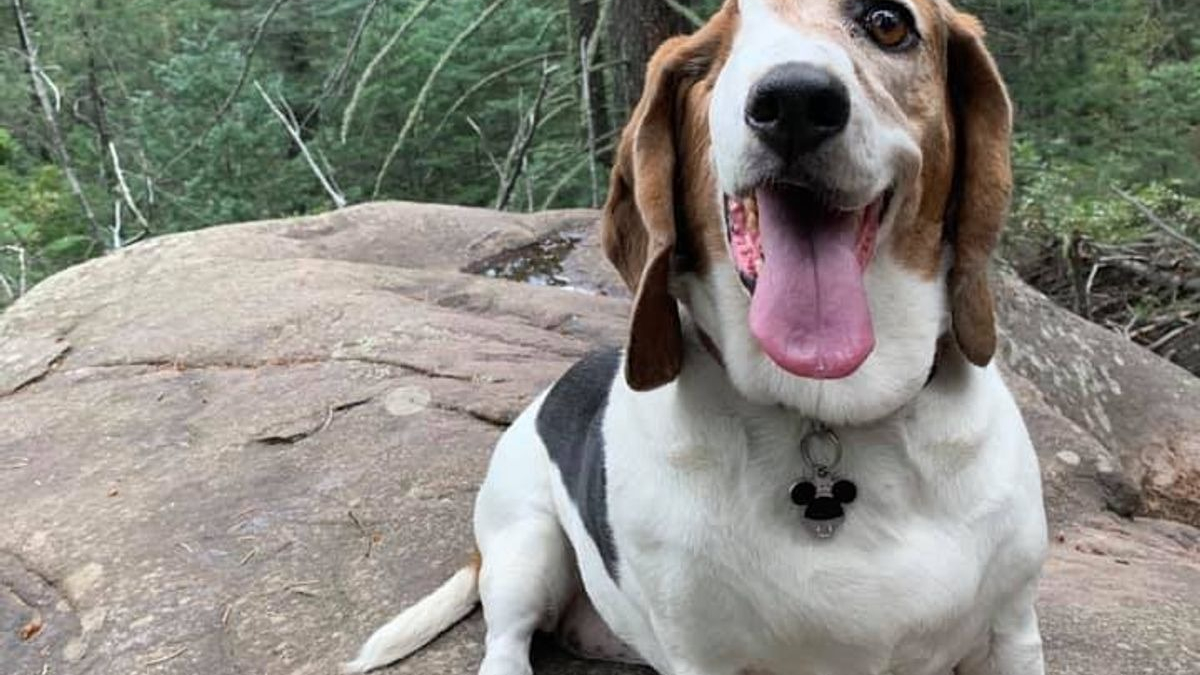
(796, 107)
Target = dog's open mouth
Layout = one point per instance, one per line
(802, 259)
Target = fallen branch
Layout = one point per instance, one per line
(1169, 336)
(423, 93)
(1155, 275)
(293, 130)
(1145, 291)
(163, 659)
(1156, 221)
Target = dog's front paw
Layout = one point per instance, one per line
(498, 665)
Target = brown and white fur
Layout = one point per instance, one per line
(706, 568)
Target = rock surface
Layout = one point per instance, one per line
(1143, 410)
(240, 450)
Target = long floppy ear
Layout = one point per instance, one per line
(639, 218)
(983, 127)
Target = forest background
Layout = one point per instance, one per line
(126, 119)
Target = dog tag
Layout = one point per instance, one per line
(824, 493)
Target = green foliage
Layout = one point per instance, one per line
(37, 217)
(242, 171)
(150, 78)
(1050, 205)
(1107, 93)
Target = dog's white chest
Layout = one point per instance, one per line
(773, 594)
(720, 562)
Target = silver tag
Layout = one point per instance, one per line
(823, 493)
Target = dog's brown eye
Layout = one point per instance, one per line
(889, 26)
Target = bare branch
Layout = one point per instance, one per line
(483, 146)
(488, 79)
(326, 165)
(566, 177)
(1169, 336)
(293, 130)
(222, 109)
(38, 81)
(116, 226)
(519, 148)
(361, 84)
(337, 78)
(124, 187)
(1156, 221)
(22, 272)
(593, 41)
(586, 99)
(548, 24)
(528, 184)
(419, 102)
(54, 88)
(685, 12)
(8, 289)
(1155, 275)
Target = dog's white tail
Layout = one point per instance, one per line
(420, 624)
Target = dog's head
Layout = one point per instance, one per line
(821, 184)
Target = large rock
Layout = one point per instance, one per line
(1144, 410)
(240, 450)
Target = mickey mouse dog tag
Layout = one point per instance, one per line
(823, 492)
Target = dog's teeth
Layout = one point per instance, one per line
(748, 281)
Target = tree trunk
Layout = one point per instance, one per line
(584, 14)
(98, 104)
(50, 115)
(637, 28)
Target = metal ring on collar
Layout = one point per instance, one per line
(818, 431)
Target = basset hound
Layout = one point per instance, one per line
(803, 462)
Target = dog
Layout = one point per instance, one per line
(804, 461)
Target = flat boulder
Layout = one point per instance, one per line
(240, 450)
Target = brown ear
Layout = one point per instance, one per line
(983, 127)
(639, 216)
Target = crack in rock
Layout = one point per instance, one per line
(41, 373)
(292, 439)
(180, 365)
(491, 420)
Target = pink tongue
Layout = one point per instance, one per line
(809, 311)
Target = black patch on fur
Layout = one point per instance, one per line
(569, 423)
